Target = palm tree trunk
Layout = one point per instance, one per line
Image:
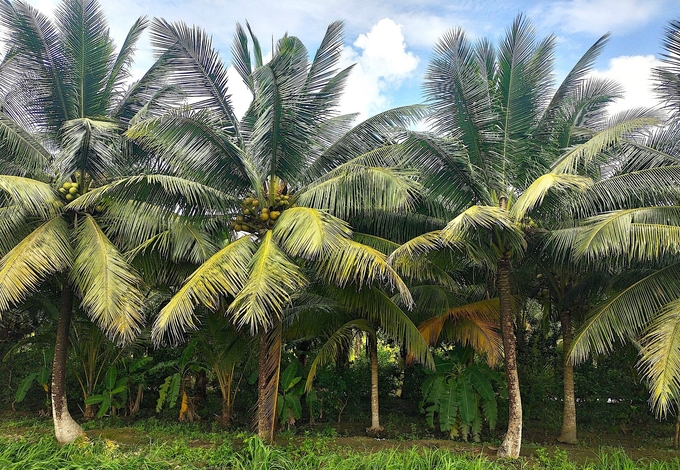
(268, 382)
(568, 434)
(375, 405)
(513, 437)
(65, 427)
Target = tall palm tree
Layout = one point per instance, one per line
(286, 173)
(65, 105)
(630, 221)
(503, 144)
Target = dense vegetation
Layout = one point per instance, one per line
(514, 265)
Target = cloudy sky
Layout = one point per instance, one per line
(391, 41)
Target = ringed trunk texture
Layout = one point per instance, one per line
(65, 428)
(268, 383)
(568, 434)
(375, 405)
(512, 442)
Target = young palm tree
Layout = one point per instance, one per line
(499, 127)
(287, 171)
(64, 108)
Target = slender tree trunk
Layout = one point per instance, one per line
(268, 382)
(513, 438)
(568, 434)
(65, 427)
(375, 405)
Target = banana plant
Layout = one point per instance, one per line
(113, 396)
(289, 404)
(176, 384)
(461, 395)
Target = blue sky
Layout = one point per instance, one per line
(391, 41)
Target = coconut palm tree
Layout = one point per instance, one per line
(287, 173)
(65, 105)
(630, 221)
(504, 147)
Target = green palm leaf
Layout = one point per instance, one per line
(223, 274)
(273, 279)
(31, 196)
(660, 358)
(109, 287)
(47, 250)
(310, 233)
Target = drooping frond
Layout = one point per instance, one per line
(197, 144)
(629, 233)
(310, 233)
(626, 313)
(417, 247)
(446, 170)
(532, 197)
(91, 146)
(667, 76)
(368, 135)
(362, 266)
(582, 154)
(376, 306)
(167, 191)
(335, 343)
(660, 359)
(474, 325)
(33, 197)
(47, 250)
(182, 242)
(110, 289)
(22, 150)
(473, 229)
(223, 274)
(273, 279)
(626, 190)
(364, 184)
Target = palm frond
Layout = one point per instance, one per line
(310, 233)
(361, 185)
(660, 359)
(110, 288)
(87, 51)
(532, 197)
(475, 325)
(370, 134)
(622, 233)
(22, 149)
(91, 146)
(582, 154)
(120, 70)
(361, 265)
(336, 342)
(197, 144)
(272, 281)
(47, 250)
(626, 313)
(223, 274)
(33, 197)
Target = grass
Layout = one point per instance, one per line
(28, 444)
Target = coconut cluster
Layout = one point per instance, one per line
(69, 191)
(255, 218)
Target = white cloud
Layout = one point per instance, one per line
(634, 73)
(382, 63)
(597, 16)
(240, 93)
